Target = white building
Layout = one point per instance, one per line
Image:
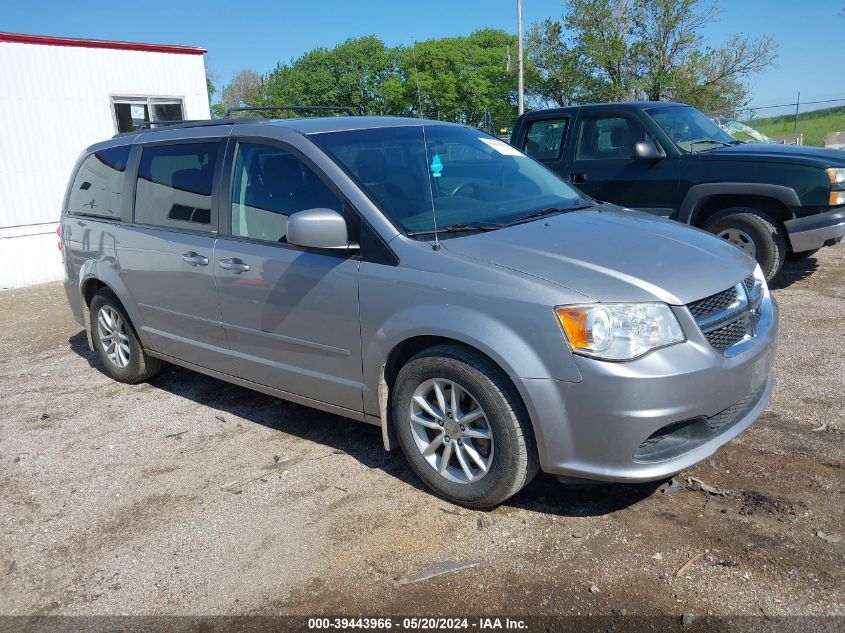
(58, 96)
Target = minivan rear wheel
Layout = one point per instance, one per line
(115, 341)
(755, 233)
(462, 427)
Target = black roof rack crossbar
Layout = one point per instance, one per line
(154, 126)
(348, 111)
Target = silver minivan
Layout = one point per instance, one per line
(426, 278)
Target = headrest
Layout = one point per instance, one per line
(193, 180)
(619, 137)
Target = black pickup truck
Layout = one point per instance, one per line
(669, 159)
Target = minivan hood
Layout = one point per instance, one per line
(613, 255)
(823, 157)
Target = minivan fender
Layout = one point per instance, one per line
(510, 350)
(95, 270)
(697, 195)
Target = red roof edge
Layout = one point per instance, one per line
(47, 40)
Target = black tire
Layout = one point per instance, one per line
(140, 366)
(767, 236)
(797, 257)
(514, 456)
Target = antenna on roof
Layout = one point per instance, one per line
(425, 146)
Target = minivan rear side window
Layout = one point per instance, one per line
(97, 187)
(174, 185)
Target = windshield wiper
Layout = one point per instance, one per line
(539, 213)
(463, 227)
(707, 140)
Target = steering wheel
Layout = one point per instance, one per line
(463, 186)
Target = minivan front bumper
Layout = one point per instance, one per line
(651, 418)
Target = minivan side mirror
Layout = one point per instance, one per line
(319, 228)
(647, 150)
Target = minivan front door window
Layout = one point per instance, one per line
(270, 184)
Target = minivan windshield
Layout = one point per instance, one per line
(689, 129)
(466, 178)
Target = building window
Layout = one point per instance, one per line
(132, 113)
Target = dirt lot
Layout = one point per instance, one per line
(187, 495)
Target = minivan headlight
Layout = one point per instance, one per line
(619, 331)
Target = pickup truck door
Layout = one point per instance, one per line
(600, 161)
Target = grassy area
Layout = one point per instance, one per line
(813, 125)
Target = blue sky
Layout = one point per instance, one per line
(259, 34)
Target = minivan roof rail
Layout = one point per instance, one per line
(154, 126)
(348, 111)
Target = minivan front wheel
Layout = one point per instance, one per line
(462, 427)
(115, 341)
(755, 233)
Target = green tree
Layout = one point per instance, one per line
(463, 79)
(651, 49)
(246, 88)
(553, 70)
(351, 74)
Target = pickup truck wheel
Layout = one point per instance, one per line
(115, 341)
(795, 257)
(755, 233)
(462, 427)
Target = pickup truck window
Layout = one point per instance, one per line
(608, 137)
(545, 138)
(689, 129)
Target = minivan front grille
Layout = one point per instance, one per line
(729, 317)
(678, 438)
(713, 304)
(724, 337)
(749, 283)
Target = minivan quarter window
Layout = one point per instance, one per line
(269, 184)
(175, 184)
(97, 189)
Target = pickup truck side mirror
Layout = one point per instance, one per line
(648, 150)
(319, 228)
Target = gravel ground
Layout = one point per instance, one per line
(187, 495)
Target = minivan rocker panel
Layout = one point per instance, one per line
(585, 340)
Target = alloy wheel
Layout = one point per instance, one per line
(451, 430)
(113, 337)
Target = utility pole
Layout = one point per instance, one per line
(520, 84)
(797, 105)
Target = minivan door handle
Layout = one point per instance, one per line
(194, 259)
(236, 265)
(578, 177)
